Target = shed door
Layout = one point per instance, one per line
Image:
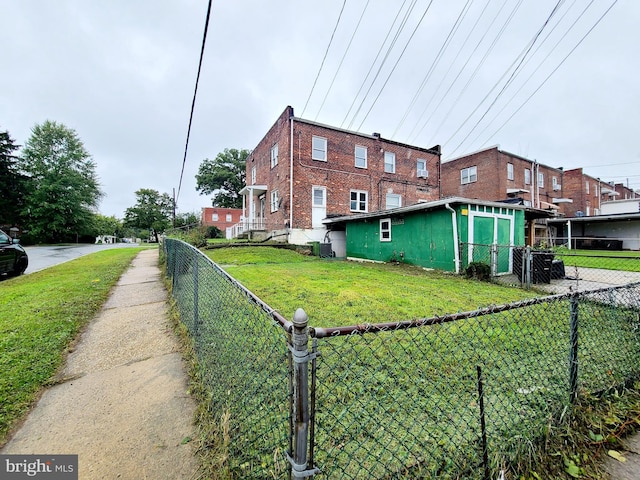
(489, 231)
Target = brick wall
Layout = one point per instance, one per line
(338, 174)
(207, 217)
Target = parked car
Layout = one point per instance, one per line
(13, 258)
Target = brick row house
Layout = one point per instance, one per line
(221, 217)
(303, 172)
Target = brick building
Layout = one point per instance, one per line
(587, 193)
(303, 172)
(220, 217)
(494, 175)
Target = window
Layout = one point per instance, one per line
(385, 230)
(586, 187)
(319, 196)
(229, 217)
(214, 217)
(253, 176)
(358, 201)
(509, 171)
(527, 176)
(468, 175)
(554, 182)
(389, 162)
(274, 155)
(421, 168)
(319, 149)
(274, 201)
(361, 156)
(540, 180)
(394, 200)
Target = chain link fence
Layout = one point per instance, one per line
(241, 348)
(467, 395)
(554, 270)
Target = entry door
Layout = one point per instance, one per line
(489, 231)
(319, 206)
(483, 238)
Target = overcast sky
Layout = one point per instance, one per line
(463, 74)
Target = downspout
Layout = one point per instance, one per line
(291, 175)
(569, 233)
(456, 246)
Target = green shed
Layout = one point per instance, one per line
(445, 234)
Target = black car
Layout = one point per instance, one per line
(13, 258)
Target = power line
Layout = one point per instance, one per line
(342, 59)
(554, 70)
(511, 77)
(195, 91)
(324, 58)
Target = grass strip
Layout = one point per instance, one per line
(40, 316)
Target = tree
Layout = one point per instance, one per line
(12, 183)
(187, 220)
(63, 185)
(224, 177)
(152, 211)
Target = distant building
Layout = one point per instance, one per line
(220, 217)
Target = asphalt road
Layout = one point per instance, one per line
(45, 257)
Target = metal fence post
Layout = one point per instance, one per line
(301, 357)
(195, 294)
(528, 266)
(573, 352)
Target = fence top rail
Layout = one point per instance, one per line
(361, 329)
(284, 323)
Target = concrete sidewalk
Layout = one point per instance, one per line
(121, 403)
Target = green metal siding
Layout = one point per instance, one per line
(424, 239)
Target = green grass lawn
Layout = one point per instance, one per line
(338, 293)
(404, 402)
(40, 315)
(606, 259)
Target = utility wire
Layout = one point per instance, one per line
(195, 91)
(513, 74)
(375, 100)
(434, 64)
(401, 26)
(324, 58)
(554, 70)
(342, 59)
(373, 64)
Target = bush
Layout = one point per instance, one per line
(478, 270)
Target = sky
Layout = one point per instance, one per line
(551, 80)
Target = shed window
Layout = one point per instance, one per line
(385, 230)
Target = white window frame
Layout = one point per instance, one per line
(274, 155)
(421, 168)
(253, 175)
(359, 201)
(586, 190)
(393, 196)
(527, 176)
(315, 189)
(361, 157)
(389, 162)
(555, 184)
(540, 180)
(214, 217)
(510, 175)
(385, 229)
(469, 175)
(274, 201)
(319, 148)
(229, 218)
